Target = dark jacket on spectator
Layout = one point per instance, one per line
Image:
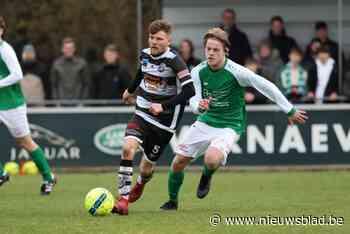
(332, 85)
(111, 81)
(70, 78)
(192, 62)
(40, 70)
(333, 48)
(240, 48)
(283, 43)
(346, 84)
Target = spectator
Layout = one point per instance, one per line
(112, 78)
(31, 65)
(70, 78)
(279, 38)
(252, 96)
(294, 77)
(269, 61)
(240, 49)
(323, 79)
(187, 53)
(311, 54)
(321, 31)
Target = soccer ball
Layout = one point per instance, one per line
(99, 202)
(11, 168)
(29, 168)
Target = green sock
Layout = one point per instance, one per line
(208, 172)
(175, 180)
(1, 169)
(40, 161)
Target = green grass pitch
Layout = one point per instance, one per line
(23, 210)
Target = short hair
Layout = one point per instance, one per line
(111, 47)
(265, 43)
(229, 10)
(321, 25)
(277, 18)
(296, 50)
(324, 49)
(160, 25)
(218, 34)
(67, 40)
(2, 23)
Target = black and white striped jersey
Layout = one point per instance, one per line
(162, 79)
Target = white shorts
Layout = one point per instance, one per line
(201, 136)
(16, 121)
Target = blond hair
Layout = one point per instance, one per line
(217, 34)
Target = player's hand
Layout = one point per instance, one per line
(249, 97)
(204, 104)
(156, 108)
(128, 98)
(299, 117)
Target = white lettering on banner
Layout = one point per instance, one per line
(319, 138)
(51, 153)
(292, 140)
(255, 137)
(343, 138)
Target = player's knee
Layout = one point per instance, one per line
(128, 152)
(213, 161)
(26, 143)
(179, 163)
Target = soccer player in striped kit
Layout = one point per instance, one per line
(165, 86)
(220, 85)
(13, 112)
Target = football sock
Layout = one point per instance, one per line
(40, 161)
(125, 178)
(208, 172)
(1, 169)
(175, 180)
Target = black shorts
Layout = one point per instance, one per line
(152, 139)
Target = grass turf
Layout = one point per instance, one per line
(232, 194)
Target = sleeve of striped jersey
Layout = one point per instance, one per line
(181, 70)
(136, 81)
(194, 101)
(247, 78)
(8, 55)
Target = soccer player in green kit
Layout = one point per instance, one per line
(13, 112)
(219, 101)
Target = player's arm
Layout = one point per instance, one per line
(128, 93)
(187, 89)
(248, 78)
(9, 57)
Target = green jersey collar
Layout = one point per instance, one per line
(222, 68)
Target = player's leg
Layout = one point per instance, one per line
(175, 180)
(17, 123)
(125, 175)
(134, 135)
(194, 143)
(212, 159)
(215, 156)
(154, 144)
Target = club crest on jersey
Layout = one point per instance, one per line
(145, 62)
(161, 67)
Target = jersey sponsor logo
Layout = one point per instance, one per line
(154, 83)
(161, 67)
(110, 139)
(145, 62)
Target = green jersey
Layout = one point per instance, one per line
(226, 88)
(10, 73)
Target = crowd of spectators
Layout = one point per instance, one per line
(309, 76)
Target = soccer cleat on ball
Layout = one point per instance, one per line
(99, 202)
(203, 186)
(11, 168)
(4, 178)
(169, 205)
(47, 186)
(29, 168)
